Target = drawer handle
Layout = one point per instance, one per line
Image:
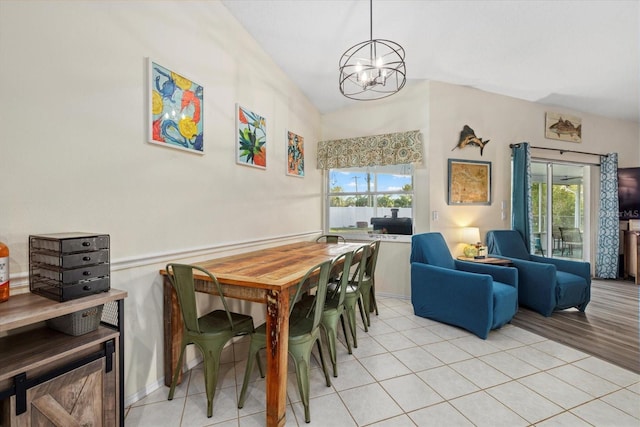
(86, 258)
(86, 273)
(86, 243)
(87, 288)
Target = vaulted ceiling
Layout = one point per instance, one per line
(579, 55)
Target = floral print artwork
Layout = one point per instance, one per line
(252, 138)
(176, 110)
(295, 154)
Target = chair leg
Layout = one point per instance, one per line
(351, 317)
(324, 365)
(331, 333)
(362, 315)
(346, 337)
(211, 367)
(254, 350)
(301, 360)
(374, 303)
(176, 372)
(366, 303)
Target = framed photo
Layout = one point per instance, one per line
(251, 138)
(295, 155)
(563, 127)
(175, 110)
(469, 182)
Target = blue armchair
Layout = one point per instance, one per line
(544, 284)
(476, 297)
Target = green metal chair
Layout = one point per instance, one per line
(352, 292)
(331, 238)
(210, 332)
(304, 332)
(333, 307)
(367, 288)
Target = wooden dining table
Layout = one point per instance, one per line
(266, 276)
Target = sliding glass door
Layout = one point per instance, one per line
(559, 209)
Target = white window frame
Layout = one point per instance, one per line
(368, 234)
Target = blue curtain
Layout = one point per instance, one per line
(521, 213)
(608, 227)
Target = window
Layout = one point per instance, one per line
(371, 201)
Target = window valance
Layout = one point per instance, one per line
(377, 150)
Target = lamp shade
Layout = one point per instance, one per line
(470, 235)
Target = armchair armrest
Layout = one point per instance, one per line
(536, 284)
(579, 268)
(507, 275)
(455, 297)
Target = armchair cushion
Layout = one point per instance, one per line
(476, 297)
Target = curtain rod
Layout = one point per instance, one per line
(562, 151)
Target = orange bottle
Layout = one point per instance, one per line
(4, 272)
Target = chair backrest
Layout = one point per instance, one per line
(430, 248)
(315, 310)
(331, 238)
(571, 235)
(507, 243)
(362, 255)
(346, 259)
(181, 278)
(374, 248)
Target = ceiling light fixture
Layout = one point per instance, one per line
(372, 69)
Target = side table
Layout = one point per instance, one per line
(487, 260)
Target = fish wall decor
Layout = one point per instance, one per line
(563, 127)
(468, 137)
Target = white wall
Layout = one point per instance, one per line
(74, 156)
(440, 111)
(504, 121)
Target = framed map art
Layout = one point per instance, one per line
(175, 110)
(469, 182)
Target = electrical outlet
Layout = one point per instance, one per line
(434, 215)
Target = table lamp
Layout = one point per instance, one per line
(471, 236)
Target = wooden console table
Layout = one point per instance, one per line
(42, 370)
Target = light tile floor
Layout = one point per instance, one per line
(410, 371)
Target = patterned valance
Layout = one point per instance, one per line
(377, 150)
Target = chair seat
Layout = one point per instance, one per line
(217, 321)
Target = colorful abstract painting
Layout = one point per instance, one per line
(251, 132)
(175, 118)
(295, 154)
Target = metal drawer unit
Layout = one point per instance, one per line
(66, 266)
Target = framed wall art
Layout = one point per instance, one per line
(175, 110)
(469, 182)
(295, 155)
(251, 138)
(563, 127)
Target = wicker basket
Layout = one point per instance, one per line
(78, 323)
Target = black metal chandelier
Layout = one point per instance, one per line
(372, 69)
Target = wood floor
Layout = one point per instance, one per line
(607, 329)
